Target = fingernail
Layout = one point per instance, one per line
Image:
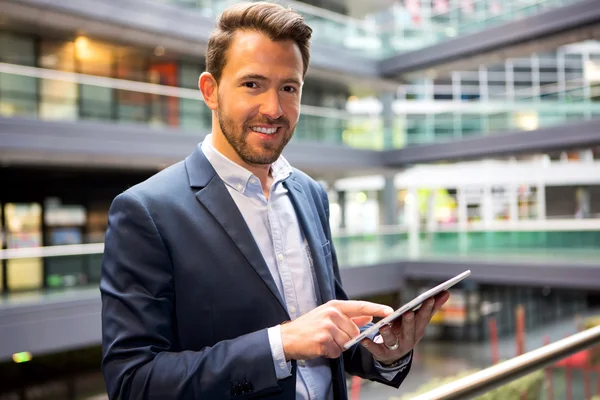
(366, 344)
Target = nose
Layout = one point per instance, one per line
(270, 105)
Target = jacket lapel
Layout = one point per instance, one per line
(308, 218)
(213, 195)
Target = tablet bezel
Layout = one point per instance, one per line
(411, 305)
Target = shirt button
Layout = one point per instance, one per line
(280, 257)
(292, 309)
(302, 363)
(252, 180)
(239, 186)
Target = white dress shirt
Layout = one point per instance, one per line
(277, 232)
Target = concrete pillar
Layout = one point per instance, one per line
(513, 203)
(541, 201)
(431, 219)
(388, 203)
(342, 203)
(461, 204)
(413, 221)
(487, 212)
(387, 115)
(463, 219)
(583, 203)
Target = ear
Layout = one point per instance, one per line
(208, 86)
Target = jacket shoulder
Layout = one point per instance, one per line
(170, 182)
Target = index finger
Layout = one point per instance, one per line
(359, 308)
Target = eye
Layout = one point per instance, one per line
(289, 89)
(250, 85)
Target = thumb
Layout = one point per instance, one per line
(360, 321)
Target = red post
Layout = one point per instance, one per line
(494, 340)
(548, 373)
(355, 391)
(520, 328)
(586, 382)
(569, 378)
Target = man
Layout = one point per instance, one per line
(219, 276)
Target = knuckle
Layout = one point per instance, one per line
(322, 338)
(330, 326)
(362, 306)
(330, 312)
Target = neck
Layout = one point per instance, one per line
(261, 171)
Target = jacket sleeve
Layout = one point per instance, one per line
(357, 360)
(141, 358)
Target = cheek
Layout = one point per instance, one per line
(292, 112)
(238, 115)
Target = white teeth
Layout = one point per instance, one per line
(268, 131)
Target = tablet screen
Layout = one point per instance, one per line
(411, 305)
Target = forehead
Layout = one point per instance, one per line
(254, 52)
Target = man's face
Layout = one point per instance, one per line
(259, 96)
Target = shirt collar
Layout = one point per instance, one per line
(238, 177)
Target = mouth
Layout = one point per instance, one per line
(266, 131)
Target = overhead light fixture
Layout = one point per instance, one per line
(82, 48)
(159, 51)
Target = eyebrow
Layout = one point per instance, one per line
(258, 77)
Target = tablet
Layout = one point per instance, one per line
(414, 304)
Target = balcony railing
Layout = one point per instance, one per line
(501, 374)
(49, 94)
(403, 27)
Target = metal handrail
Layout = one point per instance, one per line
(52, 251)
(490, 378)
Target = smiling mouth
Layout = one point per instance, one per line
(265, 131)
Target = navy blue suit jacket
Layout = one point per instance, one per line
(187, 297)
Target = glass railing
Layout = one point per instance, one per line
(403, 27)
(436, 128)
(523, 110)
(66, 96)
(79, 265)
(576, 246)
(59, 95)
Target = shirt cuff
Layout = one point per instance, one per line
(390, 373)
(283, 369)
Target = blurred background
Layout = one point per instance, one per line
(450, 135)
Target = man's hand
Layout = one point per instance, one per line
(399, 339)
(324, 330)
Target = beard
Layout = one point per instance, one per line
(265, 152)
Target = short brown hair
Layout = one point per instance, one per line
(275, 21)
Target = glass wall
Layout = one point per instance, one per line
(18, 94)
(520, 94)
(402, 26)
(23, 227)
(61, 97)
